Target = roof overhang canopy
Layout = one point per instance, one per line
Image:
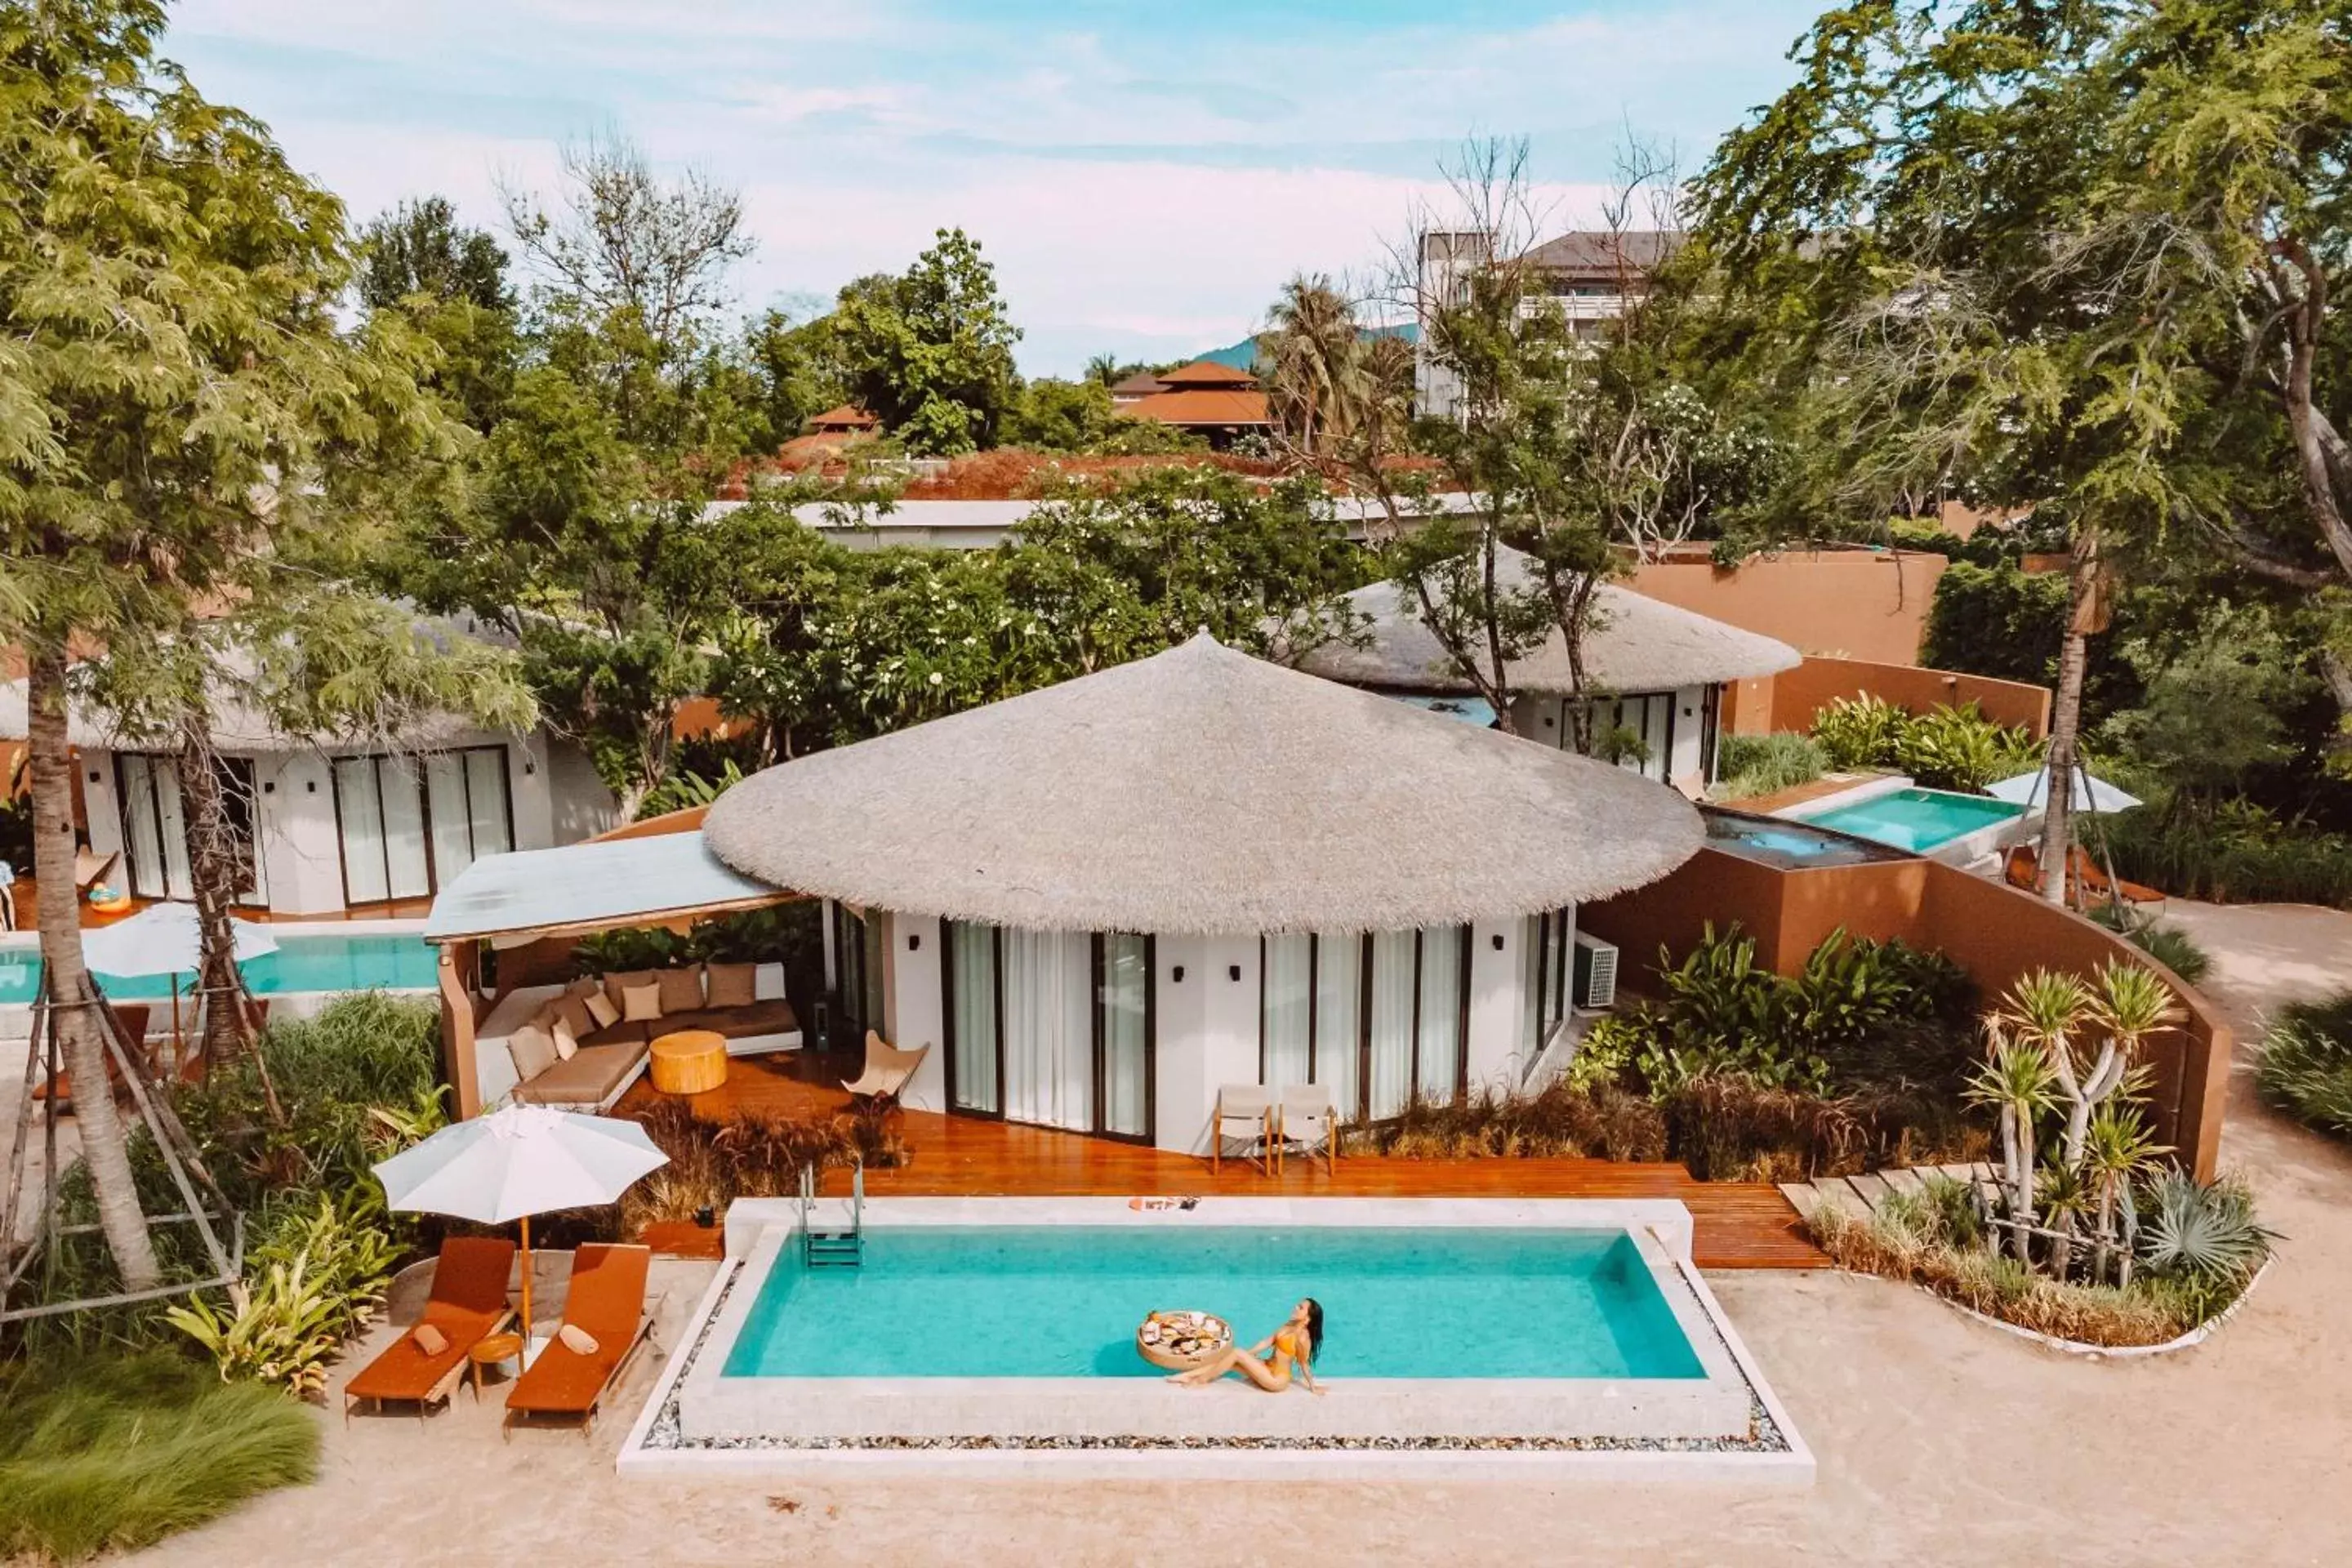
(1202, 790)
(600, 884)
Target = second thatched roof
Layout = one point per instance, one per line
(1637, 644)
(1202, 790)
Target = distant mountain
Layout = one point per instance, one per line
(1243, 356)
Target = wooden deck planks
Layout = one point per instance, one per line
(1737, 1225)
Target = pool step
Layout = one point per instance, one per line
(833, 1248)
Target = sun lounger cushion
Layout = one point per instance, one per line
(593, 1073)
(641, 1004)
(733, 985)
(429, 1339)
(533, 1050)
(681, 990)
(606, 1300)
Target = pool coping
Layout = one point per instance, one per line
(658, 1447)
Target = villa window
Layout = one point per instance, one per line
(1378, 1017)
(1544, 959)
(408, 825)
(1053, 1029)
(857, 975)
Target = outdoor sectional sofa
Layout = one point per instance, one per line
(612, 1055)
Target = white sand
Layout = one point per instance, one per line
(1939, 1440)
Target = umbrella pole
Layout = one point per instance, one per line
(179, 1047)
(522, 1357)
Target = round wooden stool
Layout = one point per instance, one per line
(488, 1352)
(690, 1061)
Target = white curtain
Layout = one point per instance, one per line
(1533, 932)
(1048, 1029)
(1442, 948)
(1393, 1021)
(360, 809)
(486, 791)
(972, 966)
(1284, 1027)
(410, 873)
(453, 818)
(1338, 1015)
(1125, 1031)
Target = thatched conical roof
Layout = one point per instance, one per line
(1637, 644)
(1202, 790)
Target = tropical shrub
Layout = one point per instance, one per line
(1760, 764)
(2306, 1066)
(112, 1452)
(2237, 853)
(312, 1286)
(1862, 731)
(1602, 1121)
(750, 1156)
(2201, 1230)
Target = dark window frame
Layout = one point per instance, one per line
(1361, 1111)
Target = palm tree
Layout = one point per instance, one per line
(1313, 364)
(2048, 1008)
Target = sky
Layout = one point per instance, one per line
(1144, 173)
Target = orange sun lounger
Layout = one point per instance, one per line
(468, 1302)
(606, 1303)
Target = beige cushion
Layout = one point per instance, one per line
(681, 989)
(587, 985)
(733, 985)
(602, 1010)
(544, 1018)
(567, 1043)
(533, 1050)
(738, 1023)
(579, 1341)
(641, 1004)
(429, 1339)
(616, 983)
(573, 1013)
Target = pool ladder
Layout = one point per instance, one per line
(833, 1248)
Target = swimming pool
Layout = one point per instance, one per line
(1917, 819)
(325, 963)
(1788, 844)
(1064, 1301)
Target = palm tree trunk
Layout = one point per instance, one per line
(74, 1000)
(2066, 713)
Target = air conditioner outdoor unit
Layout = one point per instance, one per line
(1593, 980)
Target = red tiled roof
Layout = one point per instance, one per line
(1207, 373)
(847, 416)
(1143, 384)
(1203, 406)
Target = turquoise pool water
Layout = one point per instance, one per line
(329, 963)
(1778, 842)
(1064, 1300)
(1916, 819)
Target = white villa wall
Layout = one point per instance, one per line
(1545, 718)
(914, 1003)
(1493, 1053)
(301, 851)
(100, 804)
(579, 805)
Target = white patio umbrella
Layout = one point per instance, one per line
(2089, 791)
(518, 1162)
(165, 939)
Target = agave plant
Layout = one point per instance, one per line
(2202, 1229)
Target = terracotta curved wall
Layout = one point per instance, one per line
(1854, 604)
(1789, 700)
(1993, 931)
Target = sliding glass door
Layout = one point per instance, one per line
(1543, 977)
(1055, 1028)
(155, 829)
(408, 825)
(1379, 1019)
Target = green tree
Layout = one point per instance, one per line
(930, 351)
(178, 411)
(797, 368)
(1053, 415)
(450, 282)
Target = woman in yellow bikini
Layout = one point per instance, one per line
(1274, 1360)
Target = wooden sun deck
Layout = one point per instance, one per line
(1738, 1224)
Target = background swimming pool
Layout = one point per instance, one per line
(328, 962)
(1778, 841)
(1916, 819)
(1064, 1300)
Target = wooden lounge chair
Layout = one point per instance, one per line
(2085, 882)
(468, 1304)
(131, 1017)
(606, 1301)
(1305, 1116)
(887, 1068)
(91, 867)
